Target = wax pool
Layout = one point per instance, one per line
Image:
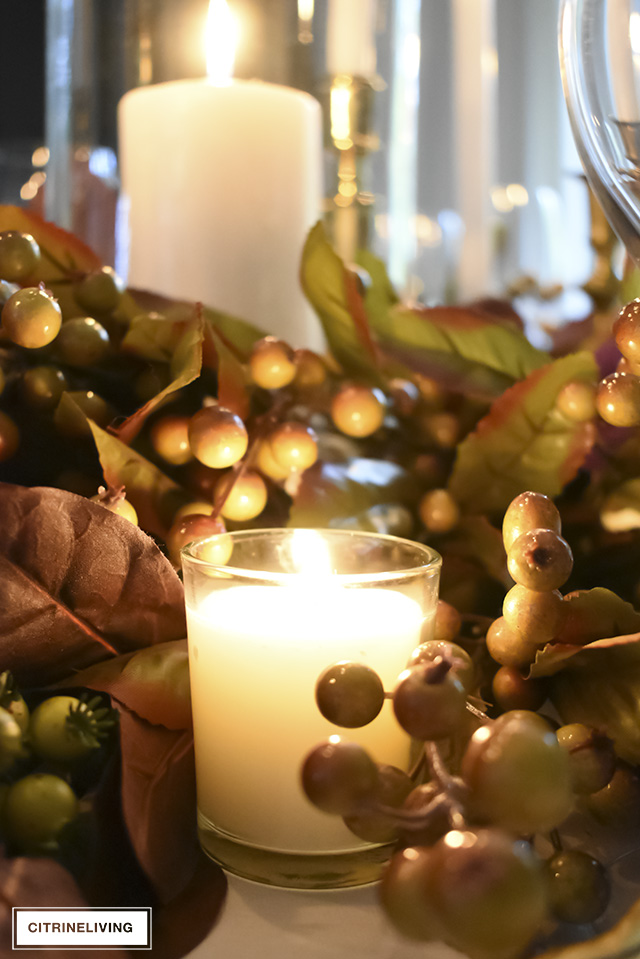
(255, 654)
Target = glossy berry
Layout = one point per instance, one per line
(266, 462)
(617, 806)
(83, 341)
(406, 898)
(439, 511)
(488, 891)
(42, 386)
(537, 616)
(577, 401)
(511, 690)
(429, 701)
(518, 774)
(337, 776)
(99, 291)
(31, 318)
(447, 623)
(203, 507)
(218, 437)
(540, 559)
(618, 399)
(528, 511)
(19, 255)
(116, 502)
(357, 410)
(592, 758)
(441, 428)
(371, 824)
(459, 659)
(404, 395)
(195, 527)
(349, 694)
(66, 729)
(242, 496)
(311, 369)
(272, 363)
(170, 439)
(294, 446)
(578, 886)
(508, 646)
(36, 809)
(626, 331)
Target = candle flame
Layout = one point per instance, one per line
(310, 553)
(221, 35)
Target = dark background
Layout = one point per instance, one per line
(22, 70)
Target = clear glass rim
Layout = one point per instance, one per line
(432, 559)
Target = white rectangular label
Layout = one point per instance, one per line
(76, 928)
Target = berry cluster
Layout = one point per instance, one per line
(44, 764)
(479, 864)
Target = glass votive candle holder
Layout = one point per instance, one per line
(261, 630)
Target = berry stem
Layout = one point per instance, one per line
(451, 786)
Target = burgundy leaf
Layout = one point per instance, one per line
(159, 801)
(77, 584)
(180, 925)
(37, 882)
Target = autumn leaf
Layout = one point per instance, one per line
(153, 683)
(159, 801)
(331, 290)
(155, 497)
(524, 442)
(241, 334)
(77, 584)
(185, 366)
(34, 882)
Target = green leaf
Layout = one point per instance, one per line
(524, 443)
(620, 942)
(465, 348)
(185, 367)
(331, 495)
(154, 496)
(239, 333)
(332, 291)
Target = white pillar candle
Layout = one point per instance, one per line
(622, 65)
(255, 655)
(351, 38)
(221, 183)
(475, 89)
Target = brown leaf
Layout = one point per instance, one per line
(153, 683)
(180, 925)
(36, 882)
(159, 801)
(77, 583)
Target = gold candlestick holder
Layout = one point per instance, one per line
(350, 139)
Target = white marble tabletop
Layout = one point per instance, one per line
(262, 922)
